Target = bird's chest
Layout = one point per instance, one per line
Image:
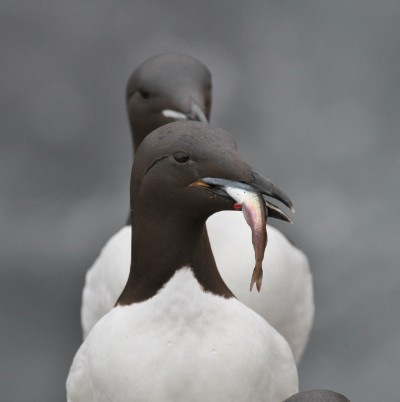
(176, 344)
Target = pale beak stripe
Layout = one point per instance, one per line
(173, 114)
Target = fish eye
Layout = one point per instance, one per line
(181, 157)
(144, 94)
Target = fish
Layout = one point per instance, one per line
(255, 212)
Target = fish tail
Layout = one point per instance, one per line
(256, 278)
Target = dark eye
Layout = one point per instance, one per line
(144, 94)
(181, 157)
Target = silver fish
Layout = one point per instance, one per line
(255, 212)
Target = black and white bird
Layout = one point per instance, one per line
(177, 87)
(163, 89)
(317, 395)
(177, 333)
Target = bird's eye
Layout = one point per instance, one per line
(181, 157)
(144, 94)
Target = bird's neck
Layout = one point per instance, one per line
(141, 128)
(136, 135)
(161, 245)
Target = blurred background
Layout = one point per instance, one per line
(311, 91)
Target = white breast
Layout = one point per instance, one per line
(286, 298)
(183, 345)
(106, 279)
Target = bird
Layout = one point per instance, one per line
(317, 395)
(177, 333)
(171, 87)
(163, 89)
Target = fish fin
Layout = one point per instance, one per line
(256, 278)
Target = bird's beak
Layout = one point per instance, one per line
(195, 114)
(257, 184)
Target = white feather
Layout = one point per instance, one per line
(183, 344)
(106, 279)
(286, 297)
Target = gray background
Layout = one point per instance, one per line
(310, 89)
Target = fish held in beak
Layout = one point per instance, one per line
(255, 212)
(249, 198)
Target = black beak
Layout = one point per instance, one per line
(197, 114)
(259, 184)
